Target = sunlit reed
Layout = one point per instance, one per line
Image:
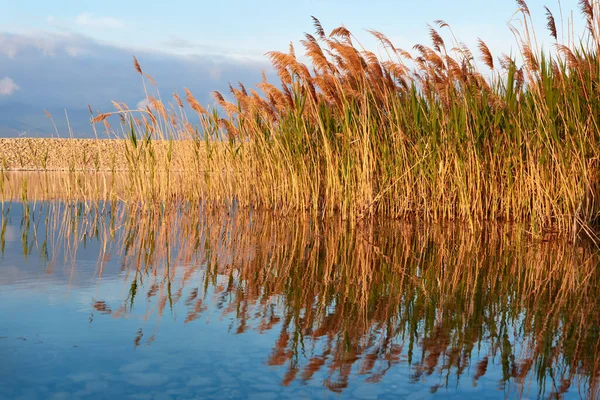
(431, 133)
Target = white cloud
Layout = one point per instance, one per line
(49, 44)
(181, 46)
(7, 86)
(11, 44)
(93, 21)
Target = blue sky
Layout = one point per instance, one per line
(249, 29)
(68, 54)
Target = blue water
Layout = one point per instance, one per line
(101, 312)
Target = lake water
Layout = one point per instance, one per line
(106, 301)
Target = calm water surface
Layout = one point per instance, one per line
(102, 301)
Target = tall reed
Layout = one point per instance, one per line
(422, 134)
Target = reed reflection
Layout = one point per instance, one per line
(348, 301)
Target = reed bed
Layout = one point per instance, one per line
(69, 155)
(34, 154)
(431, 133)
(347, 301)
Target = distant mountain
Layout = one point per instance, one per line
(24, 120)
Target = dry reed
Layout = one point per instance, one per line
(423, 134)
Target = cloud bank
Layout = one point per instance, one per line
(71, 71)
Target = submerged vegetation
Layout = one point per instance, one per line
(424, 133)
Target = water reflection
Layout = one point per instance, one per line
(346, 305)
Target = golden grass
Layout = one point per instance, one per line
(62, 154)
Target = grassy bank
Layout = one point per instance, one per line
(424, 133)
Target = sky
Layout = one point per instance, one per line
(251, 28)
(71, 53)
